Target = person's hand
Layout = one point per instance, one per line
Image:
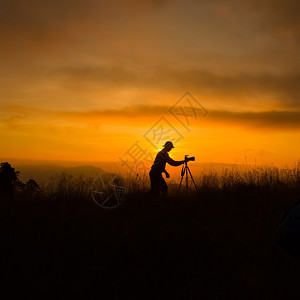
(167, 175)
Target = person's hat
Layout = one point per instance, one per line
(169, 144)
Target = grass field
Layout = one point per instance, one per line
(217, 244)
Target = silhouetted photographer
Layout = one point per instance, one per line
(158, 184)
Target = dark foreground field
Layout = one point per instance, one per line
(220, 244)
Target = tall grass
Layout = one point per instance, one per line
(228, 178)
(66, 187)
(270, 177)
(219, 243)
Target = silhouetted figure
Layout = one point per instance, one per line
(158, 184)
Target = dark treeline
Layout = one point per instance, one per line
(219, 244)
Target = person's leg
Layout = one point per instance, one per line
(163, 187)
(154, 180)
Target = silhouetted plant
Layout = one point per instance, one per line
(8, 178)
(31, 186)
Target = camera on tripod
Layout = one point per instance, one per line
(187, 158)
(186, 172)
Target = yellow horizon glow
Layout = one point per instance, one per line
(82, 140)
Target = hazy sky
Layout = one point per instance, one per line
(84, 80)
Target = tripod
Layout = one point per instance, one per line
(186, 171)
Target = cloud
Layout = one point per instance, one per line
(283, 90)
(233, 53)
(277, 16)
(101, 86)
(137, 115)
(271, 120)
(47, 26)
(168, 31)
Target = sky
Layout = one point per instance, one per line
(98, 80)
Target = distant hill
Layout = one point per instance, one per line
(42, 173)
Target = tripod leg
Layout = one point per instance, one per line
(186, 178)
(192, 179)
(181, 179)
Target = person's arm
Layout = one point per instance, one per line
(167, 174)
(173, 162)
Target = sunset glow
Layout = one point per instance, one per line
(83, 81)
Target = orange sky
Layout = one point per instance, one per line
(85, 80)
